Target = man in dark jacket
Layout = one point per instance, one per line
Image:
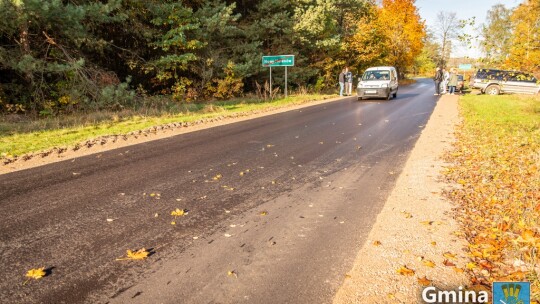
(438, 79)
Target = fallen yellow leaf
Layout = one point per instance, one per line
(377, 243)
(424, 281)
(178, 212)
(140, 254)
(36, 273)
(528, 236)
(449, 255)
(471, 265)
(429, 263)
(403, 270)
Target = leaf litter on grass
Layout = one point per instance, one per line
(495, 167)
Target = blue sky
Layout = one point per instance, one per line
(464, 9)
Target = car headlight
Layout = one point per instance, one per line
(360, 85)
(384, 85)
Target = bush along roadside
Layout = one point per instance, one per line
(495, 170)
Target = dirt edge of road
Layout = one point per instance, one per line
(151, 134)
(415, 229)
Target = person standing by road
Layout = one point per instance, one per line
(341, 82)
(446, 78)
(452, 82)
(438, 79)
(348, 82)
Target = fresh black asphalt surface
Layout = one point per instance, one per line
(277, 206)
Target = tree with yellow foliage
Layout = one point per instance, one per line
(404, 32)
(391, 34)
(525, 49)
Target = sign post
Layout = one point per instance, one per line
(278, 60)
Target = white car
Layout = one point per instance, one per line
(378, 82)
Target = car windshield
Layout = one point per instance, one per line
(376, 75)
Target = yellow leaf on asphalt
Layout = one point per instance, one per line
(36, 273)
(433, 243)
(178, 212)
(403, 270)
(427, 223)
(377, 243)
(458, 270)
(140, 254)
(217, 177)
(232, 273)
(264, 213)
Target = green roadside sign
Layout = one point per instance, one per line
(278, 60)
(465, 66)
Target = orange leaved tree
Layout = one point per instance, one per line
(400, 23)
(525, 49)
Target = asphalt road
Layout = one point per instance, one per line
(277, 209)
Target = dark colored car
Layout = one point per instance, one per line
(494, 82)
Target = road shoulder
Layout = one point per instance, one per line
(415, 229)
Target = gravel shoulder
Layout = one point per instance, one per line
(414, 228)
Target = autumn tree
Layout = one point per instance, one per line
(367, 47)
(525, 49)
(403, 30)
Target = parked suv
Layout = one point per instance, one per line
(494, 82)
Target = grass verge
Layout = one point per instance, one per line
(28, 136)
(495, 166)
